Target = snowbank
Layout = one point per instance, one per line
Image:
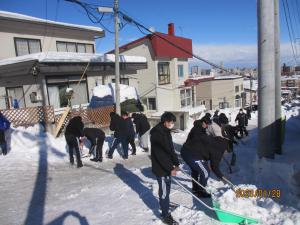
(265, 209)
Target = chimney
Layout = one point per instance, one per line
(171, 29)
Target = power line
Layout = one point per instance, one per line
(88, 10)
(87, 7)
(292, 28)
(287, 23)
(139, 25)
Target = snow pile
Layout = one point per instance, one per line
(126, 92)
(264, 209)
(101, 91)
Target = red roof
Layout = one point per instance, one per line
(163, 48)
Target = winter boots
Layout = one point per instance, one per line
(169, 220)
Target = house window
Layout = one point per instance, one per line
(57, 91)
(16, 97)
(180, 71)
(24, 46)
(74, 47)
(151, 103)
(237, 89)
(186, 97)
(163, 73)
(122, 81)
(237, 101)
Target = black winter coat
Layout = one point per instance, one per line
(163, 155)
(130, 133)
(207, 148)
(118, 125)
(141, 124)
(242, 119)
(93, 133)
(75, 127)
(196, 131)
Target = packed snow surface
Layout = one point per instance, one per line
(39, 187)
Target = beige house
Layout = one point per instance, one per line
(39, 63)
(161, 85)
(218, 92)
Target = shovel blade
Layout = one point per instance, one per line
(228, 217)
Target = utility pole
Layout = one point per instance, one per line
(251, 84)
(278, 128)
(115, 11)
(266, 81)
(117, 65)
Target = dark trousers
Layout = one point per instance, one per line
(3, 142)
(199, 171)
(132, 144)
(164, 188)
(242, 130)
(98, 144)
(116, 142)
(73, 145)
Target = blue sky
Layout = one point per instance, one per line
(221, 30)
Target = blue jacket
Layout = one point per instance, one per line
(4, 123)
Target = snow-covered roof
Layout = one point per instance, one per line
(49, 57)
(201, 77)
(227, 77)
(17, 16)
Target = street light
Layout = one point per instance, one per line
(115, 10)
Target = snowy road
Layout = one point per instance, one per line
(38, 187)
(110, 193)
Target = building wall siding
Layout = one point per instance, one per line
(48, 37)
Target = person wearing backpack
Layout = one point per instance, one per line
(4, 126)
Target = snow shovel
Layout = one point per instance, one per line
(223, 215)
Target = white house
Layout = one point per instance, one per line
(161, 85)
(39, 63)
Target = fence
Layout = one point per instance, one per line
(99, 116)
(33, 115)
(29, 116)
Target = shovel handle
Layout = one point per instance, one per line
(228, 182)
(197, 182)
